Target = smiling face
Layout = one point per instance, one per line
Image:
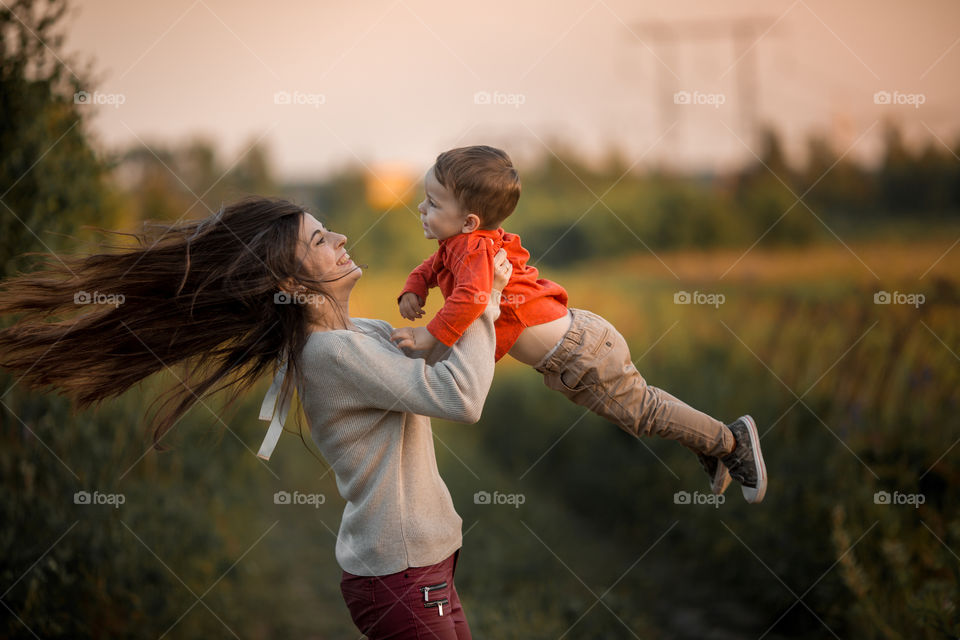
(440, 213)
(324, 257)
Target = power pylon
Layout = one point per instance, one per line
(743, 33)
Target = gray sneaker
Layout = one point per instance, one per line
(719, 476)
(745, 462)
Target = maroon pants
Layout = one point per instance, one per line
(418, 602)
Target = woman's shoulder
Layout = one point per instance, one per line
(334, 340)
(343, 354)
(379, 326)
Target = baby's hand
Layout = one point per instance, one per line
(411, 306)
(416, 338)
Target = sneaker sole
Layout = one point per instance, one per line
(755, 494)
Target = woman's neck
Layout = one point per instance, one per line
(332, 315)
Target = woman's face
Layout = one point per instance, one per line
(324, 257)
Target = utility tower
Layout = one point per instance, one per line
(743, 33)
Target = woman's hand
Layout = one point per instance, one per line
(501, 270)
(416, 338)
(501, 276)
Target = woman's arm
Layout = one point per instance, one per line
(454, 388)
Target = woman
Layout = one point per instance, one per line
(263, 282)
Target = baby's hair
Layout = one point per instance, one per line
(483, 181)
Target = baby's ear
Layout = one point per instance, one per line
(470, 223)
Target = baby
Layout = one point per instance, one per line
(470, 191)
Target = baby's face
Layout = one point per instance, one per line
(440, 213)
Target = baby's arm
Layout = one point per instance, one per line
(475, 274)
(414, 294)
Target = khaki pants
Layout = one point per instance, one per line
(592, 367)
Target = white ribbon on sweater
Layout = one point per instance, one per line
(268, 412)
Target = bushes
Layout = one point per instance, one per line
(878, 420)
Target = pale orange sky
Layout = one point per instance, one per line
(394, 81)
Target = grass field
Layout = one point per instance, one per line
(851, 397)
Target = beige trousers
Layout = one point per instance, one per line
(591, 365)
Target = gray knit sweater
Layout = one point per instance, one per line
(369, 405)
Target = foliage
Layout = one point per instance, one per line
(200, 522)
(47, 164)
(876, 418)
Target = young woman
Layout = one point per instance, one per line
(259, 284)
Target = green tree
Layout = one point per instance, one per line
(50, 176)
(189, 180)
(836, 185)
(897, 175)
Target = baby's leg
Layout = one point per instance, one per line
(593, 368)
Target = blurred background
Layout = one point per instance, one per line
(763, 197)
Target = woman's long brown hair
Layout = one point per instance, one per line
(200, 293)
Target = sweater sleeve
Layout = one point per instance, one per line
(421, 279)
(453, 388)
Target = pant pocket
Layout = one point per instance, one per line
(582, 370)
(430, 591)
(570, 379)
(433, 599)
(601, 344)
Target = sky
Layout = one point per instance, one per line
(391, 83)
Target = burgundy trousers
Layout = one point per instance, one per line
(416, 603)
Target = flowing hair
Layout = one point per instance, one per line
(202, 294)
